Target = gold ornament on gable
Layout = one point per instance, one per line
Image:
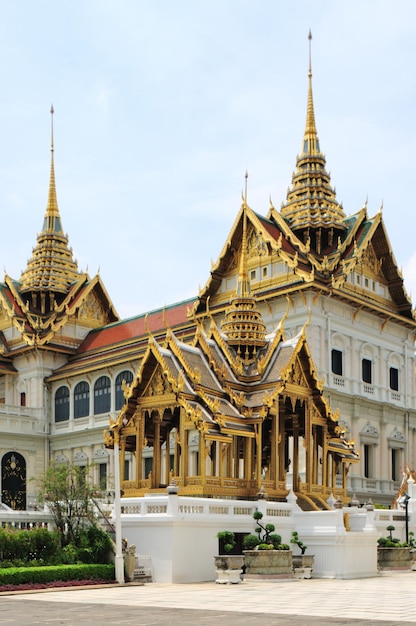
(90, 309)
(158, 384)
(256, 246)
(370, 260)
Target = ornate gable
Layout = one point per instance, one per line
(91, 311)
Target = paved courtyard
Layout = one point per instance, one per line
(388, 599)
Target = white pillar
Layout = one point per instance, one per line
(119, 561)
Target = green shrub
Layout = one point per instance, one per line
(227, 538)
(21, 575)
(276, 540)
(250, 541)
(23, 546)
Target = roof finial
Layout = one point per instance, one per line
(311, 141)
(310, 53)
(52, 112)
(245, 187)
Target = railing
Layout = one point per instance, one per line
(25, 520)
(185, 506)
(368, 389)
(22, 411)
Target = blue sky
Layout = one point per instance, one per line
(160, 108)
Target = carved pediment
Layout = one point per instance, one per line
(158, 384)
(371, 264)
(91, 310)
(256, 246)
(298, 375)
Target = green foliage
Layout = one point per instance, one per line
(70, 495)
(95, 545)
(296, 541)
(227, 538)
(263, 532)
(20, 575)
(412, 540)
(264, 537)
(250, 542)
(390, 541)
(38, 544)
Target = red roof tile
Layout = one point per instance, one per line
(131, 328)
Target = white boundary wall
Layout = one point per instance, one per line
(179, 534)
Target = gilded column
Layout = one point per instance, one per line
(156, 452)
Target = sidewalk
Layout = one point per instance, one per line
(387, 599)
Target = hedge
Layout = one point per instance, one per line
(50, 573)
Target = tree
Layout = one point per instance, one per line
(69, 495)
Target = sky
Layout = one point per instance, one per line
(161, 106)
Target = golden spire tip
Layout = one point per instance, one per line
(310, 52)
(52, 112)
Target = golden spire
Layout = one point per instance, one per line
(311, 207)
(310, 141)
(52, 220)
(51, 268)
(243, 286)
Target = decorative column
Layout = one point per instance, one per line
(156, 452)
(139, 425)
(295, 420)
(167, 456)
(118, 559)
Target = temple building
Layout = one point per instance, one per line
(293, 368)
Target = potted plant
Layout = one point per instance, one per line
(391, 553)
(302, 563)
(412, 547)
(228, 567)
(265, 555)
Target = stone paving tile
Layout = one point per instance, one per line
(28, 612)
(384, 600)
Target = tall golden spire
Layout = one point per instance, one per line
(311, 207)
(52, 220)
(310, 141)
(243, 325)
(51, 269)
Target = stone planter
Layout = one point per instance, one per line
(228, 568)
(394, 559)
(303, 565)
(268, 564)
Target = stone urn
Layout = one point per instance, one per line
(268, 564)
(394, 558)
(228, 568)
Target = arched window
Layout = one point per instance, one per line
(62, 404)
(82, 399)
(102, 395)
(127, 377)
(13, 481)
